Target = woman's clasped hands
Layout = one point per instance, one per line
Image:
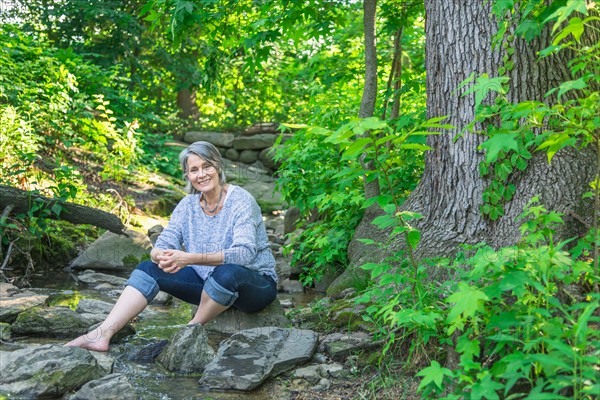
(171, 261)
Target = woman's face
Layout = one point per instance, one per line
(202, 174)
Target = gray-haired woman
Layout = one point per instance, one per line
(214, 253)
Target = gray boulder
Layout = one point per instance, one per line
(51, 322)
(92, 306)
(248, 358)
(98, 280)
(219, 139)
(248, 156)
(14, 301)
(114, 252)
(46, 371)
(232, 154)
(254, 142)
(109, 387)
(339, 345)
(262, 127)
(188, 352)
(232, 320)
(94, 310)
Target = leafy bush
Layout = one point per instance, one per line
(320, 173)
(522, 320)
(308, 179)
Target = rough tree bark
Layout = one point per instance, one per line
(19, 201)
(459, 36)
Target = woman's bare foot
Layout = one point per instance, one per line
(93, 340)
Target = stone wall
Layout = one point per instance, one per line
(251, 146)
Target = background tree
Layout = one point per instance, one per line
(450, 193)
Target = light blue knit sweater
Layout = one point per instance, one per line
(238, 230)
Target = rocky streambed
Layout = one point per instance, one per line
(237, 356)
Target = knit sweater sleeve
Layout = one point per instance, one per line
(243, 247)
(172, 236)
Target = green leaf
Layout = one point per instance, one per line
(556, 142)
(497, 143)
(571, 85)
(483, 85)
(468, 301)
(529, 29)
(575, 28)
(413, 237)
(565, 12)
(486, 389)
(416, 146)
(56, 209)
(356, 148)
(435, 374)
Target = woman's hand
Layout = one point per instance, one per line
(172, 261)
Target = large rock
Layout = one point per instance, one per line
(248, 156)
(47, 371)
(51, 322)
(114, 252)
(98, 280)
(232, 320)
(219, 139)
(14, 301)
(92, 306)
(340, 345)
(264, 192)
(254, 142)
(248, 358)
(188, 352)
(110, 387)
(262, 127)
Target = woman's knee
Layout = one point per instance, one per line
(143, 279)
(228, 275)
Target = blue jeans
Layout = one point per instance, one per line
(228, 284)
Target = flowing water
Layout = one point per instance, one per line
(156, 323)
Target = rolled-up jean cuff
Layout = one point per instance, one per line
(218, 293)
(144, 283)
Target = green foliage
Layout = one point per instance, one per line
(521, 325)
(522, 319)
(308, 178)
(528, 126)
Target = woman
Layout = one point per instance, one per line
(214, 253)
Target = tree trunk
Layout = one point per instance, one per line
(449, 195)
(186, 101)
(369, 96)
(19, 201)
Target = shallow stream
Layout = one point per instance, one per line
(157, 322)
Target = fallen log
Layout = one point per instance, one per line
(21, 202)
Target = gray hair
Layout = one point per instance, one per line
(209, 153)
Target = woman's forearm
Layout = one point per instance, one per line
(213, 258)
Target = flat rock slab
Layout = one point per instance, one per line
(248, 358)
(47, 371)
(113, 386)
(17, 302)
(232, 320)
(51, 322)
(114, 252)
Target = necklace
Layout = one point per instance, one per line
(218, 202)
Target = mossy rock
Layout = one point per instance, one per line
(50, 322)
(352, 278)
